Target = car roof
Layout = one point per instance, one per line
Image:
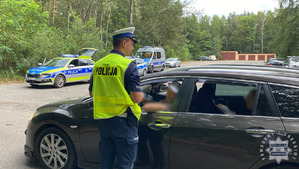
(260, 73)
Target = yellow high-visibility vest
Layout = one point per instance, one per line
(110, 97)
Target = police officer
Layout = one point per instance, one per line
(116, 91)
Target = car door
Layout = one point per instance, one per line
(287, 101)
(155, 127)
(85, 69)
(72, 72)
(89, 134)
(139, 66)
(203, 137)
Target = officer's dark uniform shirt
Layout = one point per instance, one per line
(132, 82)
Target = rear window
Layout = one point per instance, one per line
(232, 90)
(287, 99)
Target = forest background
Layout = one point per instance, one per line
(31, 30)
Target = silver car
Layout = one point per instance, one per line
(173, 62)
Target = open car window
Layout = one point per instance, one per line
(216, 97)
(161, 92)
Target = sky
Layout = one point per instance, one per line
(224, 7)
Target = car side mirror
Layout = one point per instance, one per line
(39, 64)
(71, 66)
(162, 88)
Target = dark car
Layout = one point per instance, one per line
(224, 116)
(275, 62)
(205, 58)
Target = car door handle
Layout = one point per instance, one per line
(159, 125)
(260, 131)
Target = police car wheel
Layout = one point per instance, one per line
(59, 81)
(152, 69)
(163, 67)
(55, 150)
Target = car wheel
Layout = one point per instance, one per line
(55, 150)
(163, 67)
(144, 72)
(152, 69)
(179, 65)
(59, 81)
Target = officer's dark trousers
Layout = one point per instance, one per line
(117, 140)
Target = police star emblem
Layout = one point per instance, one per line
(277, 148)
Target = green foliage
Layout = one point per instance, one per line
(28, 34)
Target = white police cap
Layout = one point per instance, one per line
(125, 33)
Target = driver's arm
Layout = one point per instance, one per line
(154, 107)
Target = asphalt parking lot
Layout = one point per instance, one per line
(19, 100)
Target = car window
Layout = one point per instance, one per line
(287, 100)
(158, 55)
(232, 90)
(223, 98)
(57, 62)
(161, 92)
(84, 62)
(75, 62)
(91, 62)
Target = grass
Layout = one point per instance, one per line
(10, 76)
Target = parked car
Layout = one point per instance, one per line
(292, 62)
(196, 132)
(275, 62)
(141, 65)
(61, 70)
(154, 57)
(205, 58)
(173, 62)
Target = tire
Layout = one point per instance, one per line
(179, 65)
(152, 69)
(163, 67)
(60, 156)
(144, 72)
(59, 81)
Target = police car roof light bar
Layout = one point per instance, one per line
(69, 56)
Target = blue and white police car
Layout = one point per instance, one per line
(154, 57)
(62, 70)
(141, 65)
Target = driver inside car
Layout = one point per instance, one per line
(164, 105)
(249, 102)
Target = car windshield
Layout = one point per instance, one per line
(57, 62)
(144, 55)
(170, 59)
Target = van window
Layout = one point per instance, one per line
(158, 55)
(144, 55)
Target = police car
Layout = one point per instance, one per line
(62, 70)
(141, 65)
(154, 57)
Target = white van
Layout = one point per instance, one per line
(154, 57)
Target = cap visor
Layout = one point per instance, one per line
(135, 41)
